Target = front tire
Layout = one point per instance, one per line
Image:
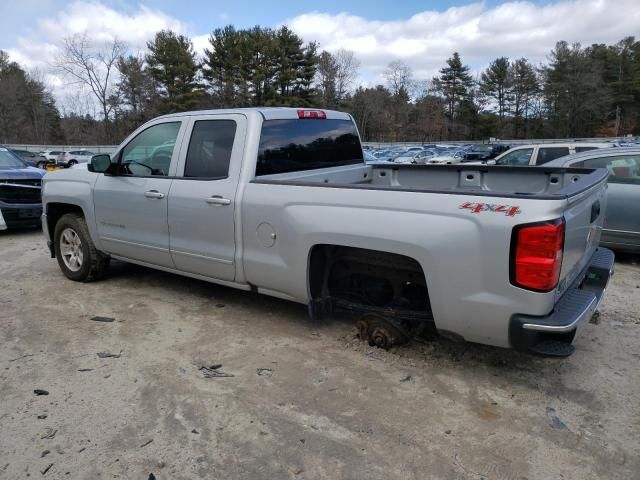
(71, 163)
(76, 253)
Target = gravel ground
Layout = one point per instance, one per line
(302, 400)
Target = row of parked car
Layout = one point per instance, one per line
(433, 154)
(59, 158)
(490, 153)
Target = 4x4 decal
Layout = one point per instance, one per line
(475, 207)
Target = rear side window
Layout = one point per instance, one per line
(516, 157)
(307, 144)
(622, 169)
(546, 154)
(210, 148)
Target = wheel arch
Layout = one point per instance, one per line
(55, 210)
(319, 260)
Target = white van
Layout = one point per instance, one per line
(542, 153)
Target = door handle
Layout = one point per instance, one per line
(218, 200)
(153, 194)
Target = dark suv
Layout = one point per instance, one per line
(20, 202)
(484, 151)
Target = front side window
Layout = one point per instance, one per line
(516, 157)
(622, 169)
(546, 154)
(210, 148)
(150, 152)
(307, 144)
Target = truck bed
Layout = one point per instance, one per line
(483, 180)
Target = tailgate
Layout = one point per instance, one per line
(584, 218)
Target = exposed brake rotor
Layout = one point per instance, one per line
(381, 332)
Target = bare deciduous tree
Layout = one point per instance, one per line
(347, 68)
(92, 67)
(399, 76)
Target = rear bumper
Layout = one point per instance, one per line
(576, 306)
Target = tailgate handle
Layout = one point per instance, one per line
(595, 211)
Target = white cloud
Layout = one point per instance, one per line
(39, 49)
(200, 42)
(478, 32)
(424, 41)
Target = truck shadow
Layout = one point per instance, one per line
(339, 327)
(627, 258)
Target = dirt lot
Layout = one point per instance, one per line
(327, 407)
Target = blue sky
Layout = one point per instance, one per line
(421, 34)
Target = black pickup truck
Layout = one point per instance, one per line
(484, 151)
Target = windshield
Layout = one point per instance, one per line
(298, 145)
(9, 160)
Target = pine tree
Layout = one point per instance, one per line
(454, 84)
(172, 63)
(327, 70)
(524, 88)
(495, 83)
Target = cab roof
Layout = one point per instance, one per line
(268, 113)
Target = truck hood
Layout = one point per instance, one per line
(26, 173)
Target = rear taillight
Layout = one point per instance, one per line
(536, 255)
(312, 114)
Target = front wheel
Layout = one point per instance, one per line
(76, 253)
(71, 163)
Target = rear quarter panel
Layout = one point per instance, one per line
(464, 255)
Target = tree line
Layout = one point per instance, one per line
(579, 92)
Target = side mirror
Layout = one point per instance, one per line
(99, 163)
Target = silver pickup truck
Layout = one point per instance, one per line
(279, 201)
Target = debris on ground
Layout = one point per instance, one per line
(44, 472)
(48, 434)
(45, 453)
(406, 379)
(213, 371)
(109, 354)
(595, 319)
(42, 417)
(22, 356)
(220, 305)
(39, 391)
(195, 431)
(85, 369)
(151, 477)
(103, 319)
(264, 372)
(146, 443)
(555, 421)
